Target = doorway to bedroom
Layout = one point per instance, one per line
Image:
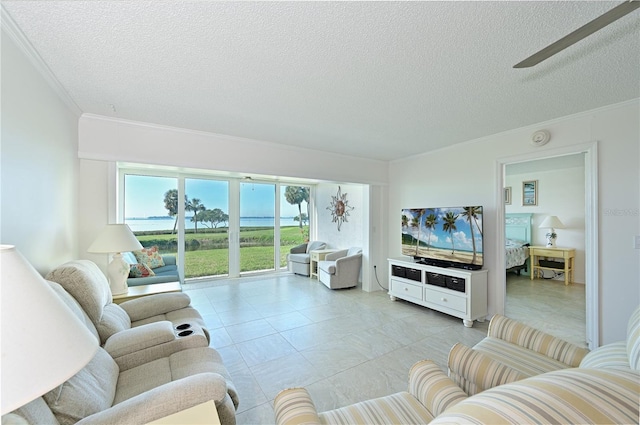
(562, 190)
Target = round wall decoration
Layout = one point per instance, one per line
(339, 208)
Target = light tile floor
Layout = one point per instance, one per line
(344, 346)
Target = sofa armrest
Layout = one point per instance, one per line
(299, 249)
(153, 305)
(139, 338)
(333, 256)
(475, 372)
(163, 401)
(525, 336)
(433, 388)
(169, 259)
(294, 406)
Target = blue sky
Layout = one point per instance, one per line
(144, 196)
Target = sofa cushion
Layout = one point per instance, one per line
(150, 257)
(129, 257)
(140, 270)
(525, 336)
(86, 283)
(399, 408)
(575, 395)
(315, 245)
(607, 356)
(114, 319)
(89, 391)
(633, 339)
(525, 361)
(74, 307)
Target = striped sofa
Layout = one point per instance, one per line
(526, 350)
(605, 388)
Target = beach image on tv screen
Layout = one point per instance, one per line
(444, 234)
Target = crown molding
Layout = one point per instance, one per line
(10, 28)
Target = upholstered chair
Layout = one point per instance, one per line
(84, 280)
(341, 269)
(299, 257)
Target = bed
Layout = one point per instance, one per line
(517, 240)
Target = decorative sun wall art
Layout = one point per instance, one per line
(339, 208)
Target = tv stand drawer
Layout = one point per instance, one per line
(406, 290)
(446, 300)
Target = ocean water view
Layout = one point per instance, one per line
(161, 223)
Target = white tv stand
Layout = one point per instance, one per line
(457, 292)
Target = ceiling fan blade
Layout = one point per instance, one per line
(582, 32)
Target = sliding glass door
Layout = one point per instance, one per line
(257, 223)
(294, 219)
(206, 224)
(216, 227)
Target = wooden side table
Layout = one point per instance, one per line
(566, 254)
(204, 413)
(144, 290)
(316, 256)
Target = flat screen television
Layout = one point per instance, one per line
(444, 237)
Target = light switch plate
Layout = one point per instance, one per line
(637, 242)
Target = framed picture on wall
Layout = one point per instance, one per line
(507, 195)
(530, 193)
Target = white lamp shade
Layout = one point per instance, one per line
(43, 342)
(551, 222)
(115, 238)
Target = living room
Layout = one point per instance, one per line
(59, 167)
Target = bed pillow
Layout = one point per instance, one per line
(150, 257)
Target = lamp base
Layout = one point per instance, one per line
(118, 272)
(551, 240)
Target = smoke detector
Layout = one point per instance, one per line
(540, 138)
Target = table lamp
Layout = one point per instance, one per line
(43, 342)
(116, 239)
(551, 222)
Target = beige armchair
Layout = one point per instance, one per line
(341, 269)
(299, 258)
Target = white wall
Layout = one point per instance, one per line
(351, 232)
(107, 139)
(39, 164)
(561, 192)
(466, 175)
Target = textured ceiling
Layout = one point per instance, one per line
(382, 80)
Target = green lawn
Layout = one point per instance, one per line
(207, 252)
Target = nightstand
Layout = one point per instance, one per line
(566, 254)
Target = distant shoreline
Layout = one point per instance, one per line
(443, 254)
